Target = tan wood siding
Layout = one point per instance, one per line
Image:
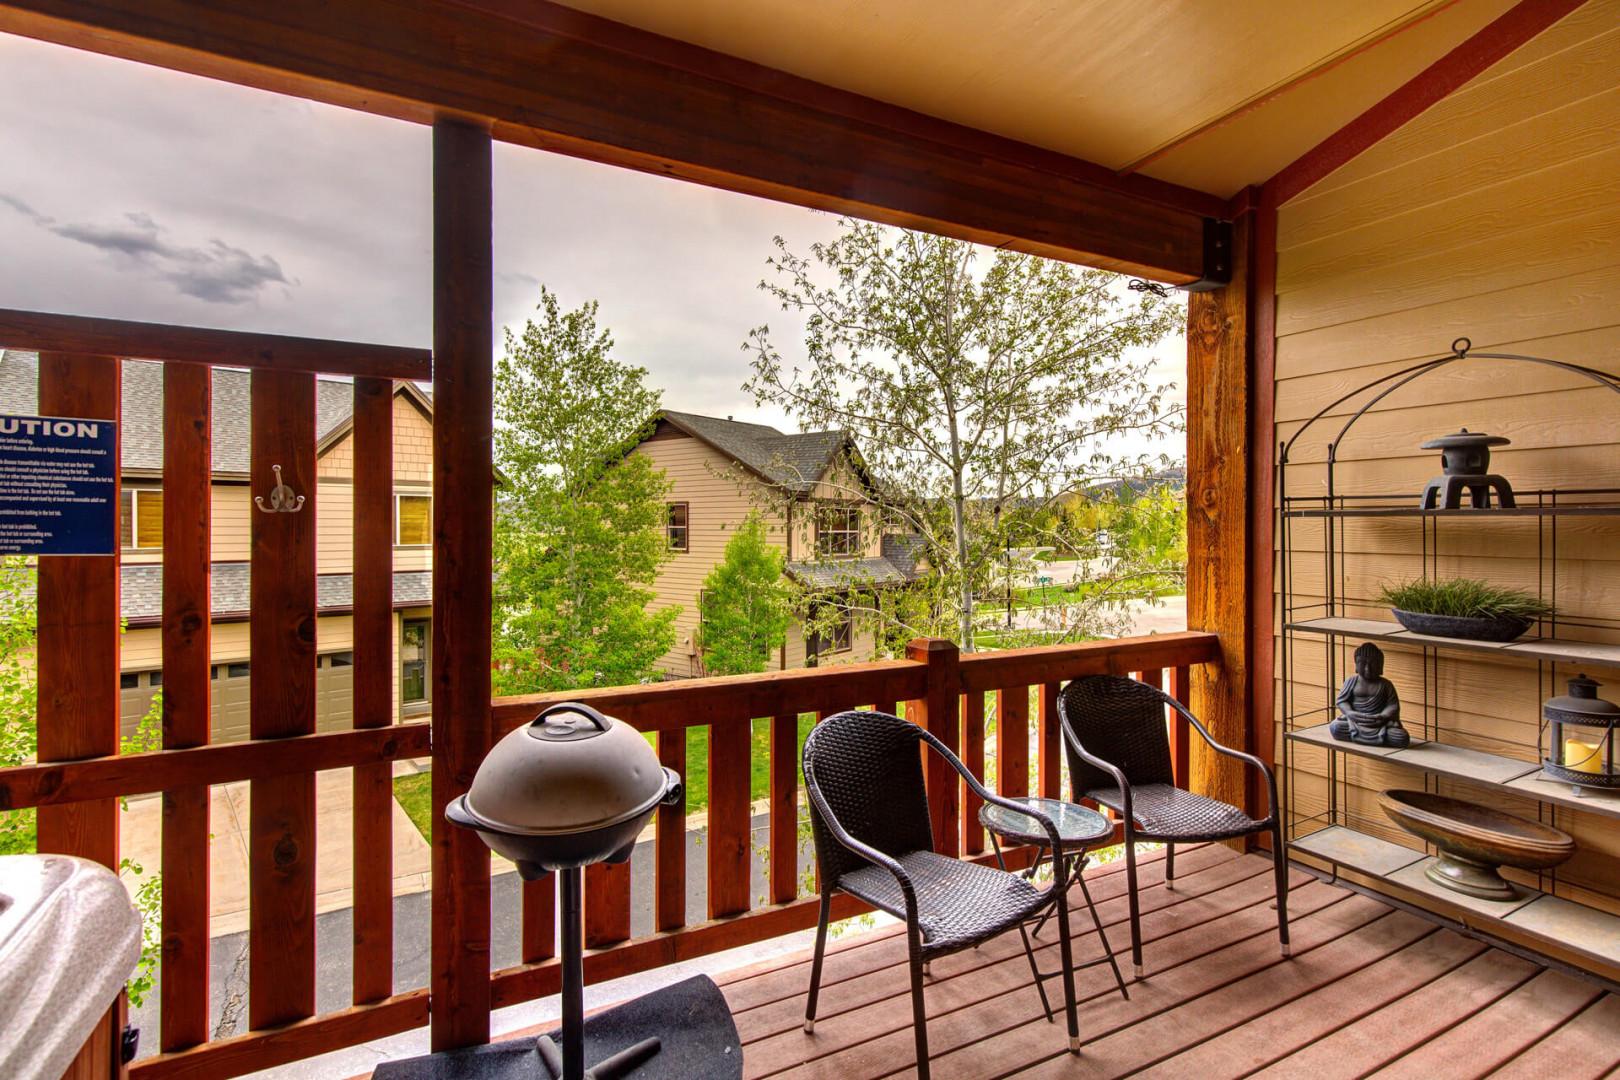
(1495, 215)
(719, 496)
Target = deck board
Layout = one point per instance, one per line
(1368, 988)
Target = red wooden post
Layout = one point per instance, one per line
(670, 877)
(937, 711)
(281, 811)
(373, 686)
(1012, 741)
(784, 808)
(1049, 743)
(77, 642)
(973, 758)
(463, 535)
(729, 847)
(187, 688)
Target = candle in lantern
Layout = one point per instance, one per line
(1583, 756)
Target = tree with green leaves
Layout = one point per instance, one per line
(972, 390)
(579, 526)
(747, 603)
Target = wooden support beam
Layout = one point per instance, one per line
(77, 643)
(1218, 410)
(463, 506)
(192, 345)
(549, 77)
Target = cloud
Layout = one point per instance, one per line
(215, 272)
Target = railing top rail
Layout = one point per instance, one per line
(1111, 656)
(51, 332)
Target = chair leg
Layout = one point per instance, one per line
(919, 1015)
(1169, 865)
(1065, 935)
(815, 965)
(1135, 905)
(1102, 936)
(1279, 861)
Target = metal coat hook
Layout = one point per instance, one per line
(282, 499)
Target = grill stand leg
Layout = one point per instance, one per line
(570, 1064)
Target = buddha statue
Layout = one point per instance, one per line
(1369, 708)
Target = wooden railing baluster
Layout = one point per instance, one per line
(784, 769)
(729, 854)
(607, 904)
(1180, 732)
(973, 758)
(187, 693)
(1012, 741)
(1049, 743)
(670, 875)
(373, 825)
(538, 929)
(281, 812)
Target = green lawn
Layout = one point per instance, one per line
(414, 792)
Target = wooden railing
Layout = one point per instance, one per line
(79, 776)
(934, 686)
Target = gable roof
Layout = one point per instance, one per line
(141, 426)
(793, 462)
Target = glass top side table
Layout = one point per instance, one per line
(1079, 830)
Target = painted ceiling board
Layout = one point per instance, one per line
(1110, 81)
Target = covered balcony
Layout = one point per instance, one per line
(1343, 195)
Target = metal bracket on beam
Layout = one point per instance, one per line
(1217, 257)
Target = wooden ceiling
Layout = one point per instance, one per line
(1212, 96)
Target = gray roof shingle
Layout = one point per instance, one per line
(141, 434)
(847, 573)
(795, 462)
(141, 590)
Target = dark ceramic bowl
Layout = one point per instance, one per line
(1501, 628)
(1474, 840)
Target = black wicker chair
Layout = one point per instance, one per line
(1119, 756)
(869, 815)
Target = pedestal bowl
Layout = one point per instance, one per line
(1474, 840)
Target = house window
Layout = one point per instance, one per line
(838, 531)
(676, 527)
(413, 662)
(836, 636)
(413, 520)
(140, 518)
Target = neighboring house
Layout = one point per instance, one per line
(817, 503)
(141, 517)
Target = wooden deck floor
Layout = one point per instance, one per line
(1370, 990)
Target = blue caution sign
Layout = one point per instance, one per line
(58, 486)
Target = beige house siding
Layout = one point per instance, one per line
(719, 495)
(718, 498)
(1495, 215)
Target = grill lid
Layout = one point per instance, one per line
(569, 770)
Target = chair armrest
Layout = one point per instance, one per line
(864, 850)
(1227, 751)
(991, 797)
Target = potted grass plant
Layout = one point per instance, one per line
(1464, 608)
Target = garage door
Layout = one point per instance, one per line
(334, 692)
(334, 697)
(136, 689)
(231, 702)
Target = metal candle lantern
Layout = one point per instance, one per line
(1581, 726)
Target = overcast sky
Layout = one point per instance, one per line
(133, 192)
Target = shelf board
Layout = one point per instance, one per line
(1517, 512)
(1563, 922)
(1457, 762)
(1556, 650)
